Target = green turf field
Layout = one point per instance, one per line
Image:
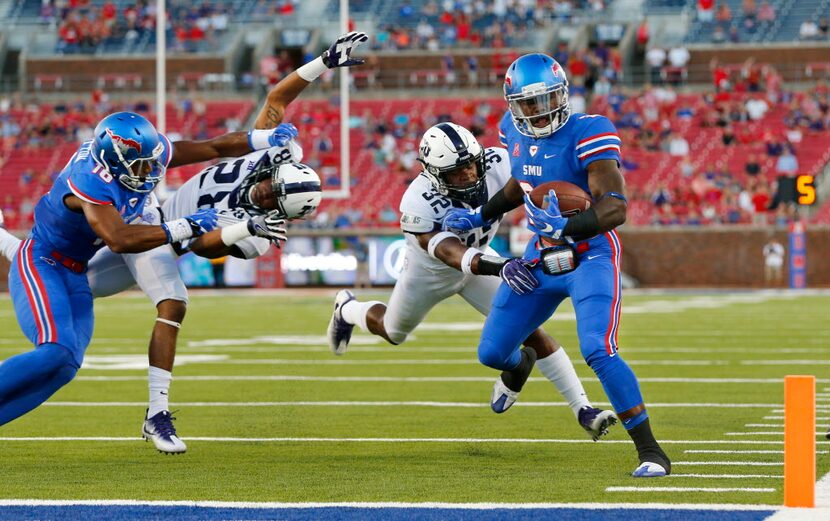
(696, 355)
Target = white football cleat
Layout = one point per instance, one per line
(648, 469)
(160, 430)
(340, 331)
(502, 397)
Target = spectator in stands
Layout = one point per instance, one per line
(655, 58)
(723, 16)
(388, 215)
(756, 107)
(678, 146)
(773, 262)
(661, 196)
(787, 164)
(562, 54)
(734, 34)
(728, 135)
(750, 14)
(471, 62)
(752, 167)
(643, 36)
(718, 35)
(823, 28)
(766, 14)
(705, 11)
(808, 30)
(678, 60)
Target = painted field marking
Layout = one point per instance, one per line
(367, 505)
(719, 490)
(424, 361)
(728, 476)
(731, 463)
(765, 433)
(447, 379)
(785, 362)
(360, 403)
(707, 451)
(387, 440)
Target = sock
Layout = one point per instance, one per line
(647, 447)
(8, 244)
(159, 381)
(515, 378)
(558, 368)
(29, 379)
(354, 312)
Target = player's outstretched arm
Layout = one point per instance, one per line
(338, 55)
(220, 243)
(506, 199)
(108, 224)
(449, 249)
(609, 211)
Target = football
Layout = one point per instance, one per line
(572, 199)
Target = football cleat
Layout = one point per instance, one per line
(596, 421)
(160, 430)
(504, 397)
(648, 469)
(340, 331)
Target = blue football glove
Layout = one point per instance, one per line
(518, 277)
(463, 220)
(281, 135)
(548, 222)
(202, 221)
(340, 52)
(194, 225)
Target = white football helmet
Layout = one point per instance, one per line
(447, 147)
(298, 189)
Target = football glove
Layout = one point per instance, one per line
(270, 226)
(463, 220)
(199, 223)
(547, 222)
(518, 277)
(280, 136)
(340, 52)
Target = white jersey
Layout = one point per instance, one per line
(217, 186)
(423, 208)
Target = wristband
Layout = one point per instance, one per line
(177, 230)
(258, 139)
(467, 260)
(437, 239)
(491, 265)
(615, 195)
(235, 233)
(312, 70)
(583, 225)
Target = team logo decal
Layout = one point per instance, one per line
(508, 81)
(133, 201)
(124, 144)
(557, 69)
(533, 149)
(516, 150)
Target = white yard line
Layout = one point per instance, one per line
(448, 379)
(426, 361)
(362, 403)
(764, 433)
(463, 506)
(387, 440)
(731, 463)
(822, 510)
(718, 490)
(708, 451)
(728, 476)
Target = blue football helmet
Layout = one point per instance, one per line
(129, 147)
(536, 90)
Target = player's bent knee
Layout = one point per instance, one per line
(172, 309)
(396, 338)
(492, 357)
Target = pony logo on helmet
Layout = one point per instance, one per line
(129, 147)
(446, 149)
(124, 144)
(536, 90)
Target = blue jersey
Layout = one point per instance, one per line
(562, 156)
(68, 232)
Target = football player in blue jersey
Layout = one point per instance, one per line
(102, 188)
(576, 257)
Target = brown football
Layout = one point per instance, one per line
(572, 199)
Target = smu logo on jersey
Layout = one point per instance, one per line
(124, 144)
(532, 170)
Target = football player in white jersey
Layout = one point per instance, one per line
(459, 172)
(268, 185)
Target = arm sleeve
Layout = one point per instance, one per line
(597, 140)
(93, 188)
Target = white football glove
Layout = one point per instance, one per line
(340, 52)
(270, 226)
